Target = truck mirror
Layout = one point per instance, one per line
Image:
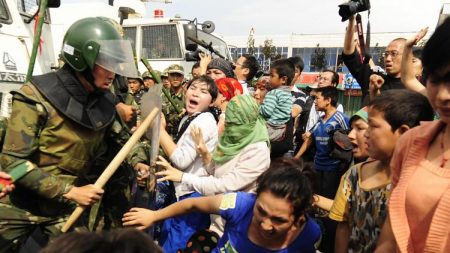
(208, 27)
(190, 30)
(193, 55)
(124, 12)
(53, 3)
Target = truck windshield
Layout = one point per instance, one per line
(160, 42)
(218, 44)
(4, 16)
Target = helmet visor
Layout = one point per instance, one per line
(117, 56)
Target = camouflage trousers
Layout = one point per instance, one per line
(16, 225)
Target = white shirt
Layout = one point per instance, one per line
(185, 156)
(244, 87)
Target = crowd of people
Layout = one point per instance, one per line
(276, 169)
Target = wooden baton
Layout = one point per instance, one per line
(113, 165)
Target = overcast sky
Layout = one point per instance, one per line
(236, 17)
(283, 17)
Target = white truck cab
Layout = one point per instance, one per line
(164, 41)
(16, 39)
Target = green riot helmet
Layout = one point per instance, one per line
(95, 41)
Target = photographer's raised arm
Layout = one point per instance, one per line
(349, 42)
(407, 70)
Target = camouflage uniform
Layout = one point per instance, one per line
(172, 116)
(62, 153)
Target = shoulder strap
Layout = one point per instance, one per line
(41, 102)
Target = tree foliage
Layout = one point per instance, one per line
(318, 59)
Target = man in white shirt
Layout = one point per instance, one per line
(245, 69)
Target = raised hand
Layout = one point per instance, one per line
(170, 173)
(200, 145)
(416, 38)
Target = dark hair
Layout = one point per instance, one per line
(252, 64)
(116, 241)
(131, 240)
(402, 107)
(288, 179)
(212, 87)
(196, 65)
(329, 92)
(298, 62)
(436, 53)
(334, 77)
(284, 68)
(417, 53)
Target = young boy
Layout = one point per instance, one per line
(277, 105)
(360, 205)
(328, 168)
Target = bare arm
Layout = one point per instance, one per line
(306, 144)
(166, 142)
(407, 69)
(205, 59)
(349, 42)
(386, 242)
(322, 202)
(142, 218)
(342, 237)
(296, 110)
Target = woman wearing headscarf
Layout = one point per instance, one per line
(242, 154)
(228, 88)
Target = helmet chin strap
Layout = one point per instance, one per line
(87, 73)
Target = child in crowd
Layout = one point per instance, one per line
(359, 123)
(277, 105)
(420, 201)
(200, 95)
(273, 220)
(360, 205)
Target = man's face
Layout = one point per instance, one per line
(148, 82)
(103, 78)
(134, 85)
(239, 71)
(196, 72)
(393, 58)
(325, 79)
(175, 80)
(320, 102)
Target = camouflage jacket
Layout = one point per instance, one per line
(172, 117)
(60, 150)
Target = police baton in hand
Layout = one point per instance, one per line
(114, 164)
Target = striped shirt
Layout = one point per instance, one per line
(277, 106)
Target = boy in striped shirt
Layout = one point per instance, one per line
(277, 105)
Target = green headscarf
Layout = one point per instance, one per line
(243, 126)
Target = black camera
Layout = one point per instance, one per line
(350, 8)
